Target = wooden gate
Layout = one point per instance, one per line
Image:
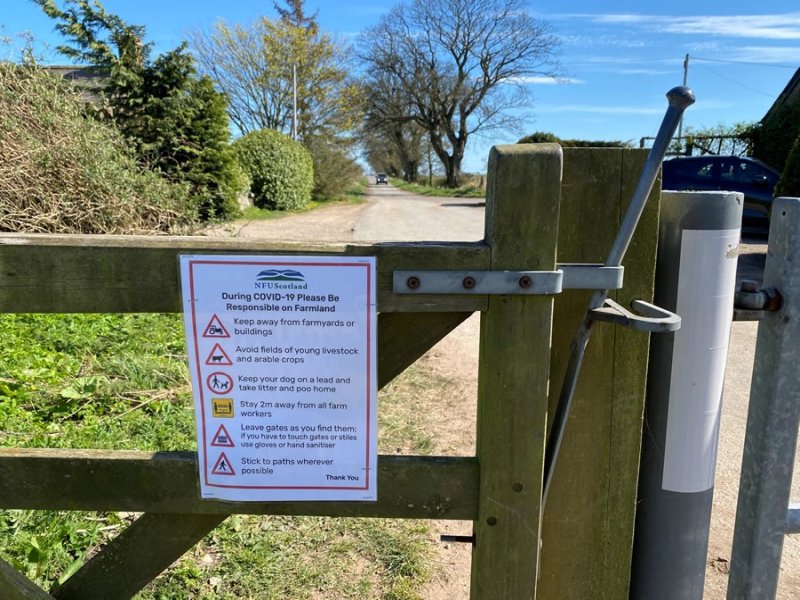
(542, 206)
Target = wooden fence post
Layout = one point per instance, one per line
(522, 208)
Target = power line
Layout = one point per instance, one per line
(745, 62)
(739, 83)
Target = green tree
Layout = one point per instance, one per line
(294, 13)
(256, 66)
(259, 67)
(175, 120)
(722, 140)
(334, 170)
(459, 65)
(775, 136)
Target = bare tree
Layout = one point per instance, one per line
(388, 124)
(460, 65)
(257, 81)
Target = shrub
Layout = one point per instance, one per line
(61, 172)
(773, 137)
(789, 183)
(539, 137)
(334, 171)
(176, 121)
(280, 169)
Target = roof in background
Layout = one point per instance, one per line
(790, 94)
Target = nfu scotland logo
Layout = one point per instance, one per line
(280, 279)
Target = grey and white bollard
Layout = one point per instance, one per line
(696, 278)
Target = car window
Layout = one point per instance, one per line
(729, 171)
(695, 168)
(751, 172)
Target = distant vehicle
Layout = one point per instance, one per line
(755, 179)
(382, 178)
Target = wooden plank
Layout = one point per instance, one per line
(594, 487)
(413, 487)
(15, 586)
(404, 337)
(88, 273)
(521, 226)
(137, 556)
(631, 350)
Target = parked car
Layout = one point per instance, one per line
(755, 179)
(382, 178)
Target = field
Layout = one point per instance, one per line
(120, 381)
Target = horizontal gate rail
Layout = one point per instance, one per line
(412, 487)
(121, 274)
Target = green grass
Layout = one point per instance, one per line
(121, 382)
(468, 190)
(354, 195)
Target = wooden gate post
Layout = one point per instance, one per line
(522, 208)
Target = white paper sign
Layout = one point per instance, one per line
(282, 358)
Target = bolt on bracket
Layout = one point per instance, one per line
(566, 277)
(751, 302)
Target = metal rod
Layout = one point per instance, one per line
(679, 98)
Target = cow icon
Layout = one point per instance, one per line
(217, 356)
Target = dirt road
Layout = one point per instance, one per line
(389, 215)
(392, 215)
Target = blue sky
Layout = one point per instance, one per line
(618, 57)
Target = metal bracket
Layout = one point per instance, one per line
(651, 318)
(751, 302)
(566, 277)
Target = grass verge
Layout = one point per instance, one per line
(354, 195)
(121, 382)
(469, 190)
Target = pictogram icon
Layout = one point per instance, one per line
(217, 356)
(222, 438)
(215, 328)
(222, 408)
(219, 382)
(223, 466)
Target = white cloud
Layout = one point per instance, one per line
(784, 26)
(615, 41)
(542, 80)
(642, 71)
(765, 54)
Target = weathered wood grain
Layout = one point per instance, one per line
(15, 586)
(137, 556)
(522, 213)
(588, 523)
(414, 487)
(404, 337)
(88, 273)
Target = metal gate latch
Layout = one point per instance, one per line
(565, 277)
(651, 318)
